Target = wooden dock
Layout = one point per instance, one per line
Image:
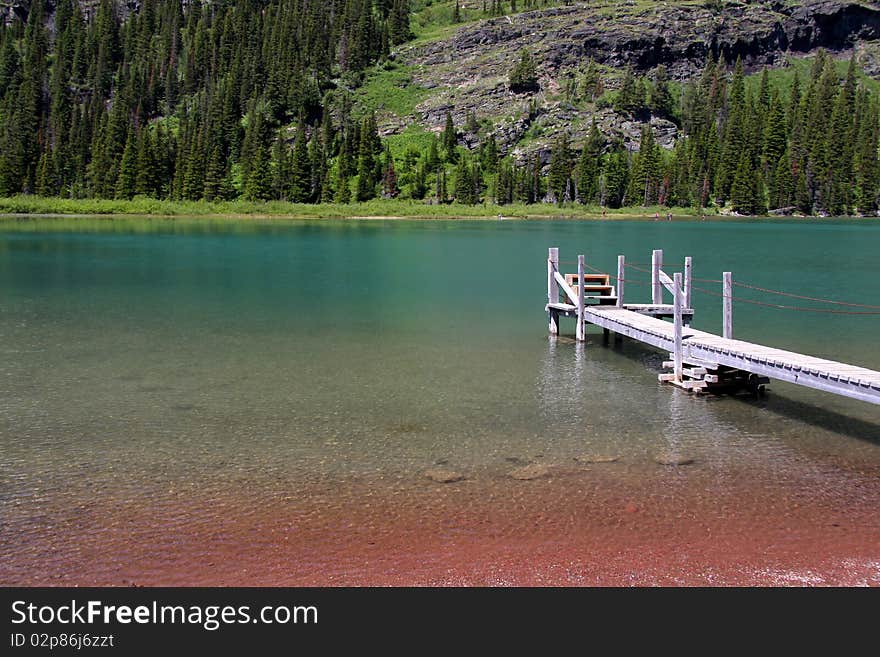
(700, 361)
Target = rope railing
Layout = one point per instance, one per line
(805, 298)
(869, 308)
(776, 292)
(785, 307)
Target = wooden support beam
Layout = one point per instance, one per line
(579, 334)
(572, 296)
(688, 280)
(621, 276)
(727, 314)
(666, 282)
(677, 301)
(552, 289)
(656, 285)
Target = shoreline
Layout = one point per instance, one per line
(381, 210)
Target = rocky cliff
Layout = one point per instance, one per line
(468, 71)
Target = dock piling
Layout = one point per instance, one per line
(621, 268)
(580, 304)
(656, 284)
(677, 300)
(727, 314)
(688, 280)
(552, 289)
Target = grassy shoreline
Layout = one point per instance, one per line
(377, 209)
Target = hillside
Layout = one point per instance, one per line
(746, 107)
(466, 72)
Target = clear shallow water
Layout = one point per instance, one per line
(173, 391)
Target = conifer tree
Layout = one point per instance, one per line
(464, 190)
(449, 139)
(589, 166)
(366, 187)
(561, 165)
(343, 188)
(419, 187)
(523, 76)
(300, 184)
(630, 97)
(215, 173)
(389, 177)
(259, 182)
(591, 85)
(661, 103)
(125, 181)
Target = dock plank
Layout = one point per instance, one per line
(811, 371)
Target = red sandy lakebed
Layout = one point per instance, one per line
(575, 525)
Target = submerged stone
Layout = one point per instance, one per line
(671, 459)
(443, 476)
(596, 458)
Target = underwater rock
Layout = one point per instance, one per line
(672, 459)
(596, 458)
(443, 476)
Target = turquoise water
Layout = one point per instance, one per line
(143, 358)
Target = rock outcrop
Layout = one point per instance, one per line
(468, 71)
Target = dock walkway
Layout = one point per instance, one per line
(703, 360)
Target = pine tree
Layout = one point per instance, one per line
(389, 177)
(661, 102)
(125, 182)
(505, 183)
(523, 76)
(398, 22)
(644, 182)
(561, 165)
(734, 134)
(147, 180)
(259, 182)
(775, 133)
(589, 166)
(449, 139)
(591, 85)
(419, 187)
(782, 184)
(489, 154)
(465, 192)
(343, 188)
(366, 187)
(300, 184)
(616, 177)
(214, 176)
(630, 98)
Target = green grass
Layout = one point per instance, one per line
(414, 136)
(377, 208)
(390, 88)
(781, 79)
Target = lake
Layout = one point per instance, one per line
(256, 402)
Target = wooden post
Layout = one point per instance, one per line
(727, 315)
(677, 300)
(621, 275)
(552, 289)
(656, 285)
(688, 280)
(580, 317)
